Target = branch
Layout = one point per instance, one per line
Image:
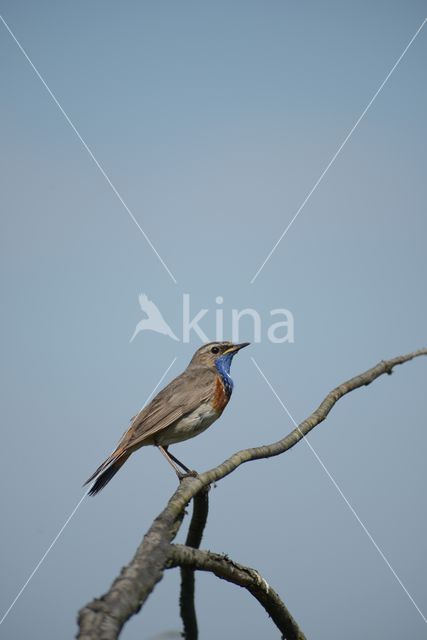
(103, 618)
(194, 538)
(223, 567)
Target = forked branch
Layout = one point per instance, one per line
(238, 574)
(103, 618)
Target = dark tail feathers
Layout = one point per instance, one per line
(111, 466)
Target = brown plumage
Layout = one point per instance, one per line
(188, 405)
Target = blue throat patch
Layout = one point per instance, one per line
(223, 364)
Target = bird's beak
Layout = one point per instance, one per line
(236, 347)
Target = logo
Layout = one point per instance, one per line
(278, 328)
(154, 320)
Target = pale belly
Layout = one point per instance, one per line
(189, 426)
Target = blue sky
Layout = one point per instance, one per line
(213, 122)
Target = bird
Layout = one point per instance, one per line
(186, 407)
(154, 320)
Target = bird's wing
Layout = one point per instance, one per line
(179, 397)
(148, 306)
(142, 300)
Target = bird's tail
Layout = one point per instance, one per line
(107, 470)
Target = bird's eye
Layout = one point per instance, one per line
(215, 350)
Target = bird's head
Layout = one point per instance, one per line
(209, 353)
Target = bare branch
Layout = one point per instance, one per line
(198, 519)
(194, 538)
(250, 579)
(103, 618)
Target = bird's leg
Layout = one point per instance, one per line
(178, 462)
(174, 462)
(163, 450)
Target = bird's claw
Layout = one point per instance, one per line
(188, 474)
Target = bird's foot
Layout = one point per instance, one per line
(187, 474)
